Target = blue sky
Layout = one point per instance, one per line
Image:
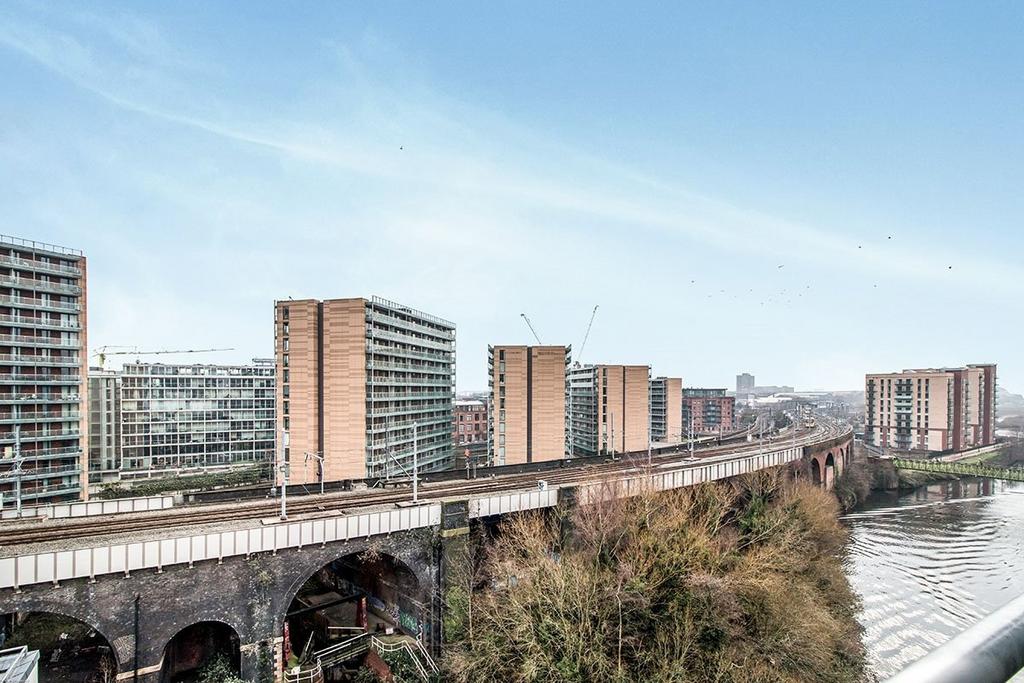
(778, 188)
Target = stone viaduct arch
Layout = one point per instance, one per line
(251, 596)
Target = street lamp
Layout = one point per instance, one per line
(282, 467)
(415, 462)
(320, 462)
(16, 470)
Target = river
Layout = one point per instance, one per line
(930, 563)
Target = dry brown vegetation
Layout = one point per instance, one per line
(726, 582)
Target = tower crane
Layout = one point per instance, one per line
(102, 352)
(587, 335)
(530, 325)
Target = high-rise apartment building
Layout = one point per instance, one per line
(744, 385)
(104, 425)
(609, 408)
(528, 397)
(175, 419)
(361, 384)
(43, 418)
(712, 410)
(667, 409)
(932, 409)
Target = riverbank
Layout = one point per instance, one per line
(882, 475)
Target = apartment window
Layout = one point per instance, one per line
(285, 344)
(284, 312)
(501, 355)
(285, 375)
(284, 328)
(284, 360)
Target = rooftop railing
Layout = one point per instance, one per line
(38, 246)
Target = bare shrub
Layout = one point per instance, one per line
(726, 582)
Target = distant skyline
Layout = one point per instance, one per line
(802, 192)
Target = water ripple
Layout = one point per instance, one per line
(932, 563)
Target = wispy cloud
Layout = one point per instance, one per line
(385, 184)
(419, 143)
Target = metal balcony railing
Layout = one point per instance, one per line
(29, 474)
(26, 399)
(443, 357)
(32, 302)
(28, 321)
(392, 321)
(410, 340)
(991, 651)
(38, 285)
(16, 664)
(51, 453)
(40, 435)
(39, 266)
(33, 340)
(16, 378)
(38, 416)
(44, 361)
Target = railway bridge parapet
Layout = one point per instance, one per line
(146, 594)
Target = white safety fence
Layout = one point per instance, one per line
(91, 508)
(88, 563)
(512, 502)
(53, 567)
(687, 475)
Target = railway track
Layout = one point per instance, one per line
(21, 533)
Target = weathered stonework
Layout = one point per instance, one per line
(250, 595)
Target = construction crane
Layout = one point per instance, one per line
(530, 325)
(102, 352)
(587, 335)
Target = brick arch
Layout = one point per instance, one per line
(118, 636)
(251, 595)
(831, 470)
(300, 571)
(233, 634)
(839, 450)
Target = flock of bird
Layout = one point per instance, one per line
(783, 296)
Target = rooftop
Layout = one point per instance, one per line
(38, 246)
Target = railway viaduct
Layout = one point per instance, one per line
(150, 594)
